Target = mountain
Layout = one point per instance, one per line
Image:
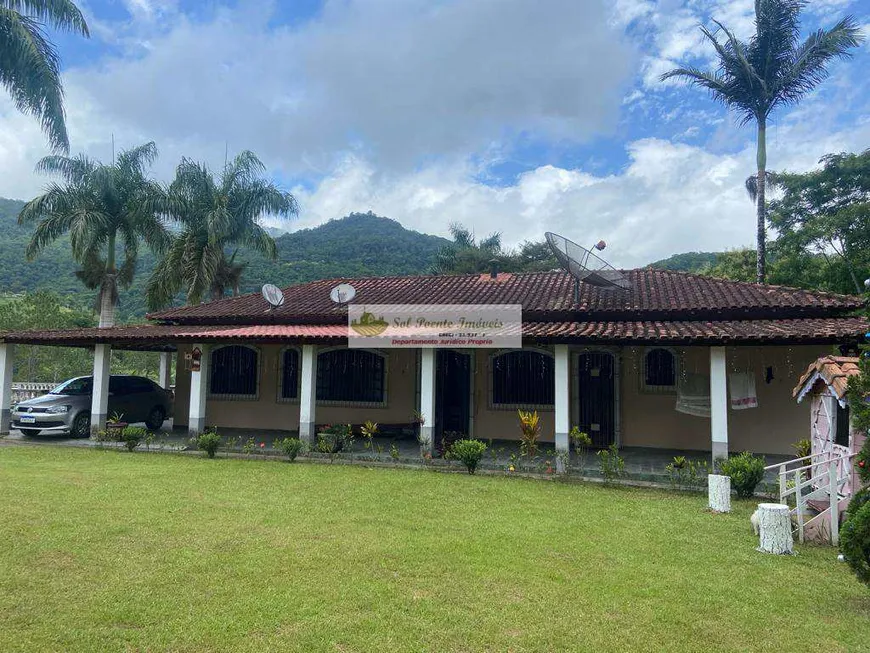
(687, 261)
(361, 244)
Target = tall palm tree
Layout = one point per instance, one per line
(773, 69)
(213, 215)
(29, 64)
(101, 207)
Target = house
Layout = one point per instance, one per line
(832, 435)
(616, 363)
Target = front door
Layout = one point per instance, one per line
(452, 394)
(596, 388)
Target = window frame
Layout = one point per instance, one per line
(658, 389)
(281, 399)
(257, 378)
(356, 404)
(492, 405)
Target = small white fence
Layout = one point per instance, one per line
(813, 481)
(25, 391)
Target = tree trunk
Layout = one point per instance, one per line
(761, 205)
(107, 288)
(774, 525)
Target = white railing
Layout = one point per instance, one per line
(823, 475)
(25, 391)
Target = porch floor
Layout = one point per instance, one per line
(641, 463)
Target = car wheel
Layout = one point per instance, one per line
(155, 418)
(29, 432)
(81, 426)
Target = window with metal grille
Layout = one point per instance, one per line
(352, 375)
(659, 370)
(523, 378)
(234, 372)
(290, 374)
(842, 434)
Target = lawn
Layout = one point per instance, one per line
(104, 550)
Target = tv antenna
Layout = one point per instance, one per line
(585, 266)
(342, 293)
(273, 295)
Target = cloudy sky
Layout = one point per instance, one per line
(517, 116)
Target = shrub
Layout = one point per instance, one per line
(855, 542)
(369, 430)
(862, 462)
(291, 447)
(447, 440)
(746, 472)
(132, 436)
(468, 452)
(859, 500)
(582, 442)
(687, 474)
(612, 465)
(208, 441)
(334, 439)
(530, 431)
(802, 448)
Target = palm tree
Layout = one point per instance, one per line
(29, 64)
(100, 207)
(772, 70)
(213, 215)
(466, 254)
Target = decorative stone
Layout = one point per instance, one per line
(719, 492)
(774, 524)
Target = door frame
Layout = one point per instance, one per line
(472, 369)
(573, 379)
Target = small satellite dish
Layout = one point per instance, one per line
(273, 295)
(585, 266)
(342, 293)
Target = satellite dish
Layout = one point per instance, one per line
(342, 293)
(585, 266)
(273, 295)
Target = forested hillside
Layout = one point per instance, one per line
(361, 244)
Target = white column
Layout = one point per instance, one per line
(7, 358)
(199, 392)
(100, 396)
(427, 398)
(308, 395)
(562, 400)
(718, 403)
(164, 375)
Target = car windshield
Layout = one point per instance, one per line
(80, 386)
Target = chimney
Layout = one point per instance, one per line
(493, 268)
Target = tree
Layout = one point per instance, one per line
(466, 255)
(771, 70)
(29, 63)
(213, 215)
(99, 205)
(826, 212)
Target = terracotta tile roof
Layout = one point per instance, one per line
(655, 294)
(834, 371)
(699, 332)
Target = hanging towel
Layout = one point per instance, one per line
(742, 391)
(693, 395)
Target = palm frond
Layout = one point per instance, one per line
(30, 71)
(61, 15)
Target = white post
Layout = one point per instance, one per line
(428, 367)
(7, 358)
(718, 403)
(198, 392)
(308, 394)
(562, 404)
(834, 497)
(774, 528)
(719, 493)
(100, 395)
(164, 375)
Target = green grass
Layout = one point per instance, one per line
(105, 550)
